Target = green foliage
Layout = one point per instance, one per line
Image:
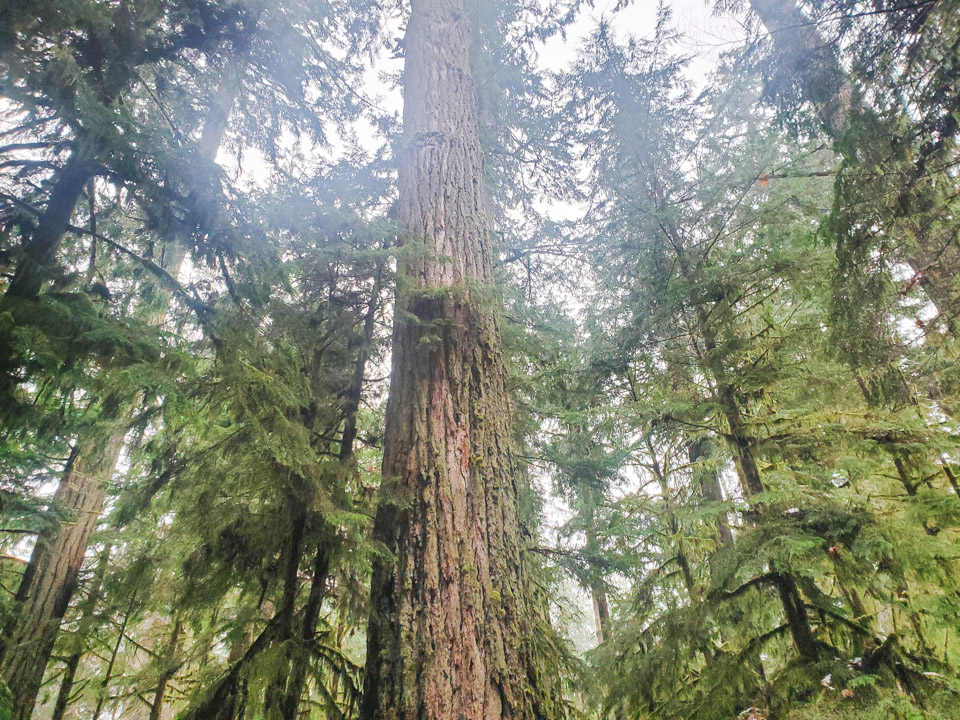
(741, 441)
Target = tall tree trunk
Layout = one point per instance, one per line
(274, 694)
(39, 251)
(311, 615)
(108, 673)
(51, 576)
(683, 562)
(66, 686)
(351, 405)
(742, 449)
(49, 581)
(797, 618)
(451, 623)
(40, 247)
(591, 551)
(87, 618)
(300, 664)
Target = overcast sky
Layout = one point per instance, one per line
(705, 35)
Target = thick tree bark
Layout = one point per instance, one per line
(51, 576)
(451, 621)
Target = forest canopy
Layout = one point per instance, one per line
(456, 360)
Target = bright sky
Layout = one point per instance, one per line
(705, 34)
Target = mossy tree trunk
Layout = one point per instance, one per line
(451, 624)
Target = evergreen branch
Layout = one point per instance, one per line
(844, 620)
(201, 310)
(721, 594)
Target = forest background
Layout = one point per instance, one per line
(728, 305)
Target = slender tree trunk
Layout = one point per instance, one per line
(797, 617)
(601, 610)
(683, 561)
(300, 664)
(227, 699)
(351, 405)
(66, 686)
(334, 711)
(742, 449)
(40, 247)
(311, 616)
(274, 695)
(167, 671)
(38, 259)
(108, 674)
(452, 623)
(598, 591)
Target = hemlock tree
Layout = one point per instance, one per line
(453, 625)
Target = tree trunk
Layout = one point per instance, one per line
(709, 482)
(300, 664)
(167, 672)
(51, 576)
(797, 618)
(683, 562)
(742, 449)
(591, 551)
(311, 615)
(40, 247)
(274, 695)
(66, 686)
(601, 610)
(39, 251)
(810, 59)
(108, 674)
(451, 625)
(87, 619)
(354, 395)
